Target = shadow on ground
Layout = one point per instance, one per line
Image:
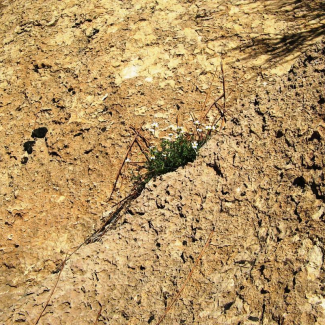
(305, 21)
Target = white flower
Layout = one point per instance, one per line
(172, 127)
(197, 122)
(264, 83)
(208, 127)
(152, 157)
(152, 131)
(170, 135)
(164, 155)
(199, 130)
(179, 128)
(194, 145)
(127, 160)
(213, 127)
(154, 125)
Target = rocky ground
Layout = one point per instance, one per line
(258, 184)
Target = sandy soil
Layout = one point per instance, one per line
(75, 76)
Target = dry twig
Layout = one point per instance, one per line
(193, 117)
(51, 294)
(223, 95)
(119, 171)
(141, 136)
(224, 86)
(137, 162)
(141, 149)
(98, 315)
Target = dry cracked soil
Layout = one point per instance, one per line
(236, 237)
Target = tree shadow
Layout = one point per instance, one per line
(304, 27)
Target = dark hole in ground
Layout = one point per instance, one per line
(315, 136)
(45, 66)
(24, 160)
(125, 315)
(299, 181)
(36, 68)
(279, 134)
(39, 133)
(253, 318)
(228, 305)
(71, 90)
(297, 214)
(182, 215)
(54, 154)
(28, 146)
(183, 257)
(288, 143)
(317, 191)
(216, 168)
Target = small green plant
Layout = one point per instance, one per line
(174, 151)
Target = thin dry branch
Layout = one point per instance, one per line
(136, 162)
(119, 171)
(193, 116)
(141, 149)
(223, 85)
(187, 279)
(223, 95)
(141, 136)
(129, 196)
(98, 315)
(213, 104)
(220, 109)
(51, 294)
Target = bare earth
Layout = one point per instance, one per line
(75, 75)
